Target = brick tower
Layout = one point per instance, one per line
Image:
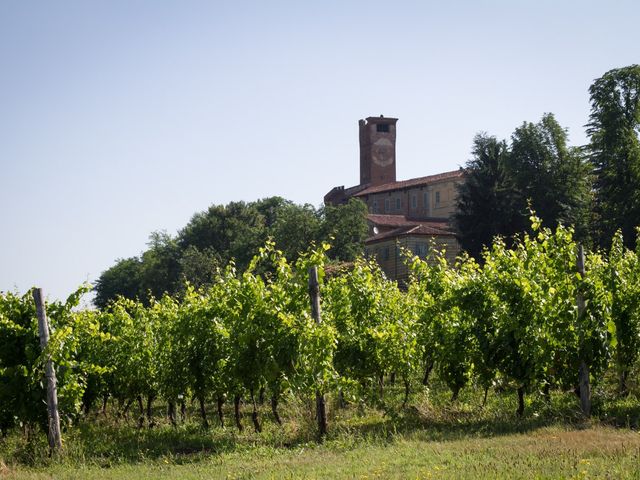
(377, 150)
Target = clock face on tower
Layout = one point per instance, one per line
(382, 152)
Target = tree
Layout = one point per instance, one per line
(295, 228)
(614, 150)
(234, 231)
(122, 279)
(160, 272)
(549, 176)
(486, 199)
(198, 267)
(537, 170)
(155, 272)
(345, 227)
(271, 208)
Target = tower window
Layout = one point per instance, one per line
(437, 198)
(382, 127)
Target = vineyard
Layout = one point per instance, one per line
(525, 321)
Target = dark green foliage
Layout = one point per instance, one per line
(199, 267)
(614, 150)
(549, 176)
(537, 170)
(345, 227)
(233, 232)
(271, 208)
(295, 228)
(486, 199)
(157, 271)
(160, 270)
(123, 279)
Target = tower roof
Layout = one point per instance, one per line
(381, 119)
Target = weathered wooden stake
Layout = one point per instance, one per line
(55, 439)
(220, 402)
(314, 293)
(583, 373)
(236, 412)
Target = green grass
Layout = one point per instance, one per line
(550, 452)
(431, 438)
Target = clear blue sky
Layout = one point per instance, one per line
(118, 118)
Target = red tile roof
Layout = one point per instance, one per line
(419, 230)
(389, 220)
(429, 230)
(414, 182)
(403, 220)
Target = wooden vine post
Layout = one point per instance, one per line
(314, 293)
(55, 439)
(583, 373)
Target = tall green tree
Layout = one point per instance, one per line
(295, 229)
(122, 279)
(614, 150)
(345, 227)
(234, 231)
(486, 199)
(549, 176)
(537, 170)
(198, 267)
(271, 208)
(160, 272)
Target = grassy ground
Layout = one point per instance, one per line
(545, 453)
(431, 439)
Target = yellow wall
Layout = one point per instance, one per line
(424, 205)
(389, 256)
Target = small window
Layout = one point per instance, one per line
(386, 205)
(385, 253)
(426, 200)
(398, 203)
(420, 249)
(437, 198)
(375, 206)
(414, 202)
(382, 127)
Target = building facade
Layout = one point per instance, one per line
(410, 214)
